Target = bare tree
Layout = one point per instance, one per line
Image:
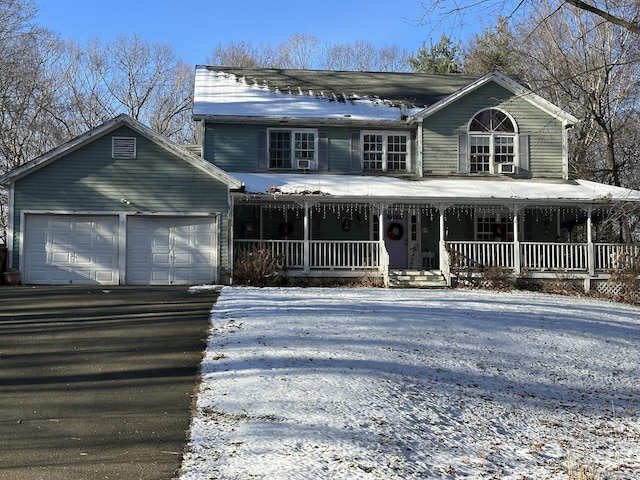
(592, 68)
(632, 25)
(27, 90)
(146, 80)
(362, 56)
(307, 52)
(245, 54)
(624, 13)
(299, 51)
(392, 59)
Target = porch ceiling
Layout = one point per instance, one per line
(437, 190)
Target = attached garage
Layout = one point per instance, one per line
(71, 249)
(168, 250)
(86, 249)
(119, 204)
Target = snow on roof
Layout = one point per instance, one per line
(379, 187)
(223, 94)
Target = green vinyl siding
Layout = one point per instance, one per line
(234, 148)
(441, 130)
(231, 147)
(89, 180)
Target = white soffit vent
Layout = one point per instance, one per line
(123, 147)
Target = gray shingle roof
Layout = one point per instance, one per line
(416, 89)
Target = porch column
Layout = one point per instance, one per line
(445, 268)
(306, 250)
(517, 258)
(382, 251)
(591, 261)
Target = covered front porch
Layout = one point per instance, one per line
(330, 238)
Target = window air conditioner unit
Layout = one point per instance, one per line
(305, 164)
(506, 168)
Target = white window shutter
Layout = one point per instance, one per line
(523, 153)
(323, 151)
(262, 151)
(463, 153)
(356, 158)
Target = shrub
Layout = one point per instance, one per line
(626, 277)
(256, 267)
(497, 278)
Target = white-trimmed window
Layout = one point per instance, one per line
(494, 229)
(385, 151)
(492, 144)
(287, 146)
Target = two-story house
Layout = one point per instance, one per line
(339, 174)
(349, 173)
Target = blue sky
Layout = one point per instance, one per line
(194, 28)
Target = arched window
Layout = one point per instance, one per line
(492, 142)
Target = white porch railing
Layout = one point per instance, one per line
(610, 256)
(289, 253)
(330, 254)
(555, 256)
(488, 254)
(371, 255)
(539, 256)
(323, 254)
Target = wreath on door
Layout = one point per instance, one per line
(499, 230)
(395, 231)
(285, 229)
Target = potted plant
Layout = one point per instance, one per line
(11, 277)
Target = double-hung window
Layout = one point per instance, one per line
(492, 143)
(287, 147)
(385, 151)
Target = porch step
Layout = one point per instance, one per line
(416, 279)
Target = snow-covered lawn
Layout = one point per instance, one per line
(403, 384)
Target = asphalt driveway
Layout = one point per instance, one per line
(98, 383)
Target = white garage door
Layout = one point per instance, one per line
(171, 250)
(71, 249)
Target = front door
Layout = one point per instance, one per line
(396, 236)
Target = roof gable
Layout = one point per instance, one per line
(111, 126)
(509, 84)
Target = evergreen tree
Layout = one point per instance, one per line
(491, 51)
(443, 57)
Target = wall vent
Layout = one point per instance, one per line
(123, 147)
